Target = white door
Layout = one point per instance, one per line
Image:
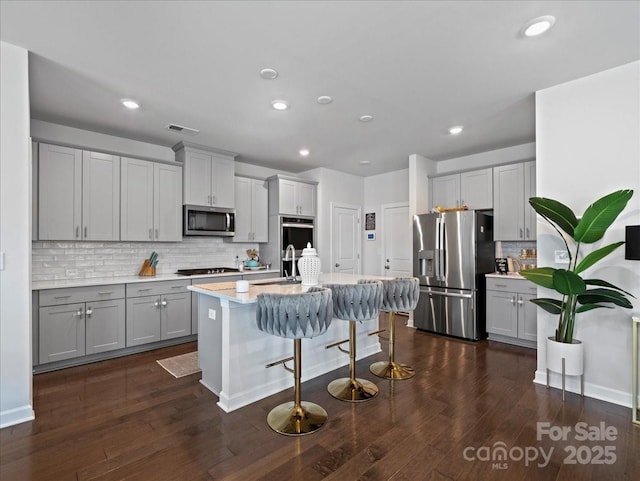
(397, 238)
(345, 239)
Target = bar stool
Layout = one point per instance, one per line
(295, 316)
(354, 302)
(400, 294)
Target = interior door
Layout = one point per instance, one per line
(397, 239)
(345, 239)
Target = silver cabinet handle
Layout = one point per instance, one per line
(520, 301)
(157, 303)
(520, 232)
(386, 266)
(105, 293)
(144, 290)
(89, 311)
(527, 232)
(62, 297)
(77, 231)
(164, 303)
(150, 234)
(79, 313)
(337, 265)
(513, 300)
(157, 234)
(501, 285)
(214, 200)
(177, 287)
(85, 232)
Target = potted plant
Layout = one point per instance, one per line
(577, 293)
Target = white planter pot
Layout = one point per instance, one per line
(567, 359)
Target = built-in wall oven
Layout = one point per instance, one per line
(297, 231)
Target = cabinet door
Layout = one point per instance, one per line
(527, 318)
(243, 203)
(143, 320)
(61, 332)
(508, 220)
(306, 196)
(260, 210)
(529, 191)
(59, 193)
(175, 320)
(197, 178)
(136, 200)
(446, 191)
(287, 197)
(502, 314)
(167, 202)
(476, 189)
(100, 196)
(105, 326)
(223, 190)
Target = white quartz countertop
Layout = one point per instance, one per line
(227, 290)
(508, 275)
(103, 281)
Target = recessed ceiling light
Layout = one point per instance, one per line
(268, 73)
(538, 25)
(365, 162)
(324, 99)
(304, 152)
(130, 103)
(366, 118)
(280, 104)
(456, 129)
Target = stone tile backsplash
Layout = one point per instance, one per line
(59, 260)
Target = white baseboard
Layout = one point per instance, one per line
(572, 384)
(15, 416)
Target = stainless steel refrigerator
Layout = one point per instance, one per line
(452, 252)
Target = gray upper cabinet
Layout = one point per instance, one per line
(292, 196)
(514, 220)
(252, 210)
(78, 194)
(473, 189)
(208, 176)
(151, 201)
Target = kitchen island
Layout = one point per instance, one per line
(233, 352)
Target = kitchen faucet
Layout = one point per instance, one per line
(291, 248)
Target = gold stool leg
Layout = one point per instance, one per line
(391, 369)
(352, 389)
(299, 417)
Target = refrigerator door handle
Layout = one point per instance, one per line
(443, 251)
(438, 249)
(450, 294)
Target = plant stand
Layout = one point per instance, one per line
(566, 359)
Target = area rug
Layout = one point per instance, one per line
(182, 365)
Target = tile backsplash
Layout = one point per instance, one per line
(513, 249)
(59, 260)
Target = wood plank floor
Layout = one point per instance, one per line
(128, 419)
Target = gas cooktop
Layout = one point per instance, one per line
(205, 270)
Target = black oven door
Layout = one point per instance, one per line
(298, 233)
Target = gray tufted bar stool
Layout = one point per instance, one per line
(295, 316)
(400, 294)
(354, 302)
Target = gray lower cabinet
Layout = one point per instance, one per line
(157, 311)
(511, 317)
(75, 322)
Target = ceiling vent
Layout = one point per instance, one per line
(181, 129)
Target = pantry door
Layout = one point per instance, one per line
(345, 239)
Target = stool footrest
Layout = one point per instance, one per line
(376, 332)
(334, 344)
(281, 361)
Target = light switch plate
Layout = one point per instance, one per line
(212, 314)
(561, 257)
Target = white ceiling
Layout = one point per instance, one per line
(417, 67)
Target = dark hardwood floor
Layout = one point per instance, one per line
(128, 419)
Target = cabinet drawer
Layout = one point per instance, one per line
(508, 284)
(154, 288)
(57, 297)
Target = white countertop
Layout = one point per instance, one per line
(227, 290)
(508, 275)
(102, 281)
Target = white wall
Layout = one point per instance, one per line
(382, 189)
(337, 187)
(15, 238)
(588, 145)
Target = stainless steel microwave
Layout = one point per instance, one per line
(213, 221)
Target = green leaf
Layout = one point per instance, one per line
(554, 306)
(595, 296)
(543, 276)
(600, 215)
(601, 283)
(568, 283)
(596, 255)
(556, 212)
(589, 307)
